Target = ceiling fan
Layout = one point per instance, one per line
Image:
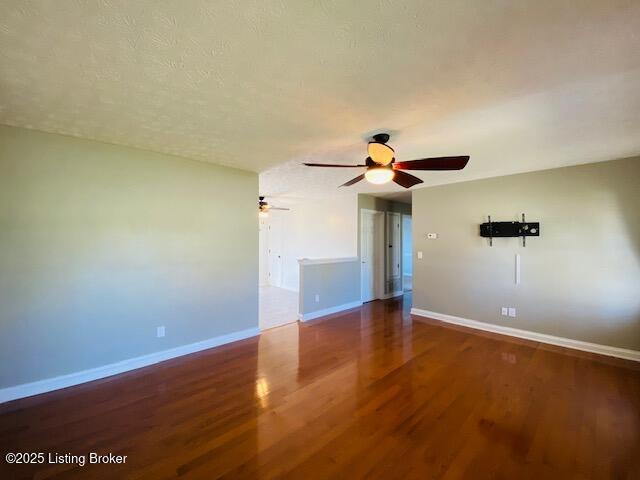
(264, 207)
(382, 166)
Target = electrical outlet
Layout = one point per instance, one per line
(419, 255)
(160, 332)
(317, 298)
(505, 311)
(512, 312)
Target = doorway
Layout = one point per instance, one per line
(278, 305)
(371, 244)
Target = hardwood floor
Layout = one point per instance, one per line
(369, 393)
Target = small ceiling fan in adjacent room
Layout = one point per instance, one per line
(264, 207)
(382, 167)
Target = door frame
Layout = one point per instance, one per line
(378, 250)
(397, 250)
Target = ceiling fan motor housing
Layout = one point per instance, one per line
(381, 137)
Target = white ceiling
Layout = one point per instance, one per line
(263, 85)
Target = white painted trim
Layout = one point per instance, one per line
(391, 295)
(76, 378)
(328, 311)
(318, 261)
(389, 227)
(536, 337)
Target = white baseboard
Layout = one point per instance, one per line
(529, 335)
(328, 311)
(391, 295)
(63, 381)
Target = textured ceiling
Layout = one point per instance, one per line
(262, 85)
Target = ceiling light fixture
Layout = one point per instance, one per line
(379, 175)
(264, 207)
(380, 153)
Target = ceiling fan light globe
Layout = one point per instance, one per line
(263, 214)
(380, 153)
(379, 175)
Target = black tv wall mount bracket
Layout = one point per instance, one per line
(509, 229)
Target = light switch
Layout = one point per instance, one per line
(512, 312)
(419, 255)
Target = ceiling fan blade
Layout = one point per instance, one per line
(278, 208)
(405, 180)
(339, 165)
(352, 181)
(435, 163)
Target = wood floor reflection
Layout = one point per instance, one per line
(367, 393)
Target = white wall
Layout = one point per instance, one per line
(263, 258)
(317, 229)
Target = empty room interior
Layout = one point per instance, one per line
(320, 240)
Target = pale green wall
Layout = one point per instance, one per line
(382, 205)
(99, 244)
(336, 284)
(580, 279)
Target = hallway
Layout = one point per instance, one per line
(278, 306)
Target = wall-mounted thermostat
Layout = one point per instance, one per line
(432, 236)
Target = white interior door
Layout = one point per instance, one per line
(367, 256)
(274, 250)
